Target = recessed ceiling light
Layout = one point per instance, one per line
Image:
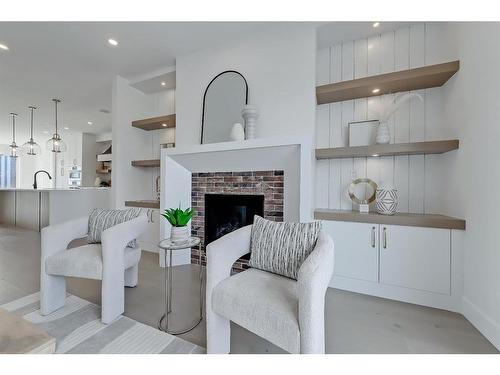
(4, 47)
(375, 91)
(164, 125)
(376, 24)
(89, 122)
(375, 155)
(66, 128)
(113, 42)
(163, 83)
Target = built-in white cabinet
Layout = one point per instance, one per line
(412, 264)
(149, 240)
(356, 249)
(417, 258)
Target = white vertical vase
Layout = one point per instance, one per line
(383, 133)
(250, 115)
(237, 133)
(179, 235)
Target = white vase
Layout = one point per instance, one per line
(383, 134)
(250, 115)
(179, 234)
(237, 132)
(386, 199)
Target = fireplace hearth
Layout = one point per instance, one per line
(226, 201)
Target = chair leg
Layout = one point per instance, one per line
(52, 293)
(132, 276)
(218, 334)
(112, 297)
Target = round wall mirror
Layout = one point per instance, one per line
(223, 100)
(362, 191)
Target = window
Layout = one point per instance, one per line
(7, 171)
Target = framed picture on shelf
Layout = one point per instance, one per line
(362, 133)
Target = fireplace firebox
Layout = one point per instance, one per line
(225, 213)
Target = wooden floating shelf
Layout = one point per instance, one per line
(146, 163)
(394, 149)
(407, 219)
(143, 203)
(155, 123)
(103, 171)
(390, 83)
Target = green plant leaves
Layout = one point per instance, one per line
(178, 217)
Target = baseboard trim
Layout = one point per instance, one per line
(487, 326)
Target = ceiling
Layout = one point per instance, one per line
(74, 62)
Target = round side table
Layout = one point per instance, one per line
(169, 247)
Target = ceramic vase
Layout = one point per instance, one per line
(237, 132)
(250, 115)
(386, 199)
(179, 234)
(383, 133)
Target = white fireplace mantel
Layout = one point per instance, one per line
(294, 156)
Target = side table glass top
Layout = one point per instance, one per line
(167, 244)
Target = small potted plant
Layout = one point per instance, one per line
(179, 220)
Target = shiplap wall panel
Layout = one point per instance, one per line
(322, 129)
(402, 121)
(416, 166)
(417, 181)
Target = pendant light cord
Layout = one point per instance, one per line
(32, 114)
(13, 127)
(55, 101)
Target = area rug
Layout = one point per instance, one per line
(77, 329)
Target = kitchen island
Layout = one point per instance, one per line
(35, 209)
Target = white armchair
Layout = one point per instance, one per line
(288, 313)
(111, 261)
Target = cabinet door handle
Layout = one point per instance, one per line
(152, 212)
(373, 236)
(384, 239)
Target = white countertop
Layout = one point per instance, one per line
(55, 189)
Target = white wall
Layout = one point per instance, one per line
(279, 68)
(90, 149)
(417, 178)
(472, 113)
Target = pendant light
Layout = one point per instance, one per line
(13, 146)
(56, 144)
(31, 147)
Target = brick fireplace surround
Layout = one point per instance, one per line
(267, 183)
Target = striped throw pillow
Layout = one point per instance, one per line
(281, 248)
(100, 220)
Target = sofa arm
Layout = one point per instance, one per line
(56, 238)
(314, 276)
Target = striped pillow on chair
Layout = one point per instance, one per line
(100, 220)
(281, 248)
